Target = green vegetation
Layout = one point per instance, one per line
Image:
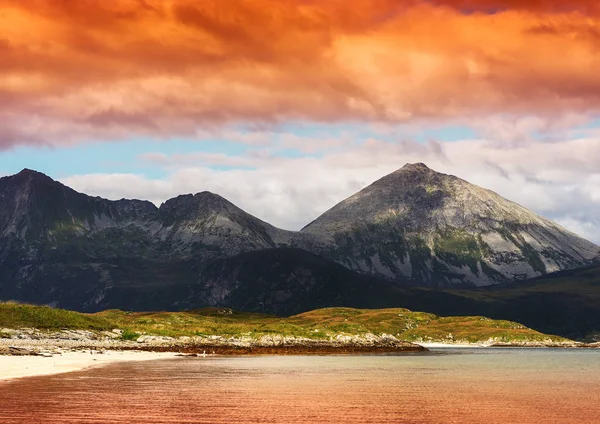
(419, 255)
(566, 303)
(430, 189)
(129, 335)
(66, 230)
(417, 326)
(459, 247)
(17, 315)
(318, 324)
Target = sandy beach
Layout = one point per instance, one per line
(434, 345)
(27, 366)
(34, 353)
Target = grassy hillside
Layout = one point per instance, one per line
(318, 324)
(565, 303)
(417, 326)
(18, 315)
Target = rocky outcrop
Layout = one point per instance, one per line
(36, 342)
(33, 342)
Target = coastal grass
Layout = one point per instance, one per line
(319, 324)
(19, 315)
(420, 326)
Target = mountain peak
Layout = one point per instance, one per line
(192, 207)
(27, 171)
(208, 196)
(203, 198)
(29, 181)
(29, 174)
(419, 166)
(412, 173)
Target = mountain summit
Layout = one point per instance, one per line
(441, 230)
(210, 222)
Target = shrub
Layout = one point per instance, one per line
(129, 335)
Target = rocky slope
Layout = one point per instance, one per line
(440, 230)
(288, 281)
(57, 245)
(415, 226)
(209, 225)
(35, 209)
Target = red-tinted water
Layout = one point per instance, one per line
(500, 386)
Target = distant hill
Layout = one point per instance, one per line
(565, 303)
(340, 325)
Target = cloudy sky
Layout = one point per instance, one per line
(286, 107)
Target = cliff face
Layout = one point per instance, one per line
(441, 230)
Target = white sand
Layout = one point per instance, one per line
(451, 345)
(27, 366)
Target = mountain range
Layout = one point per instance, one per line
(412, 228)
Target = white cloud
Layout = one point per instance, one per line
(558, 179)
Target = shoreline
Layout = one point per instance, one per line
(45, 342)
(524, 345)
(15, 367)
(436, 345)
(28, 357)
(31, 352)
(226, 347)
(33, 358)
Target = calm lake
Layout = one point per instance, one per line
(445, 386)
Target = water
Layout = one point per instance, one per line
(449, 386)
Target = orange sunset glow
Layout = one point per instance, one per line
(98, 69)
(151, 98)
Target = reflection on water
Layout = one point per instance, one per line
(491, 386)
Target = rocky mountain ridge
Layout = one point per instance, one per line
(38, 209)
(412, 227)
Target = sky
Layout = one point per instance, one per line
(286, 107)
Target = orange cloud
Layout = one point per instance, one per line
(72, 70)
(586, 6)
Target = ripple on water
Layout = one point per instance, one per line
(500, 386)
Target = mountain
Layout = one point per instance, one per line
(37, 209)
(206, 224)
(442, 231)
(288, 281)
(413, 227)
(58, 245)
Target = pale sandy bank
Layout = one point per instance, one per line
(452, 345)
(27, 366)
